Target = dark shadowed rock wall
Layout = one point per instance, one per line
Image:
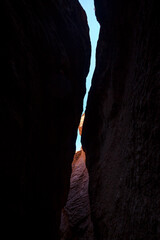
(45, 55)
(121, 134)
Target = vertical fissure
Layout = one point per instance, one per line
(76, 221)
(94, 28)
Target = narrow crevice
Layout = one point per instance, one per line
(76, 221)
(94, 28)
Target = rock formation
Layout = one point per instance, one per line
(76, 219)
(81, 124)
(76, 222)
(121, 133)
(45, 60)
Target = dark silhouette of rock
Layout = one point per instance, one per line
(45, 60)
(121, 133)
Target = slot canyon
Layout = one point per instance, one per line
(110, 189)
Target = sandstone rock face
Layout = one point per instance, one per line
(121, 133)
(81, 124)
(45, 61)
(76, 222)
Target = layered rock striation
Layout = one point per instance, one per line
(76, 221)
(122, 122)
(45, 61)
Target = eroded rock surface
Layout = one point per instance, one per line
(121, 134)
(45, 60)
(76, 222)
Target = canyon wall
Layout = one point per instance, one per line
(76, 219)
(45, 60)
(121, 133)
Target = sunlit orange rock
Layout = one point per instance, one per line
(81, 124)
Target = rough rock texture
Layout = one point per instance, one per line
(76, 222)
(76, 218)
(45, 55)
(121, 134)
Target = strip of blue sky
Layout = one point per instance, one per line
(88, 6)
